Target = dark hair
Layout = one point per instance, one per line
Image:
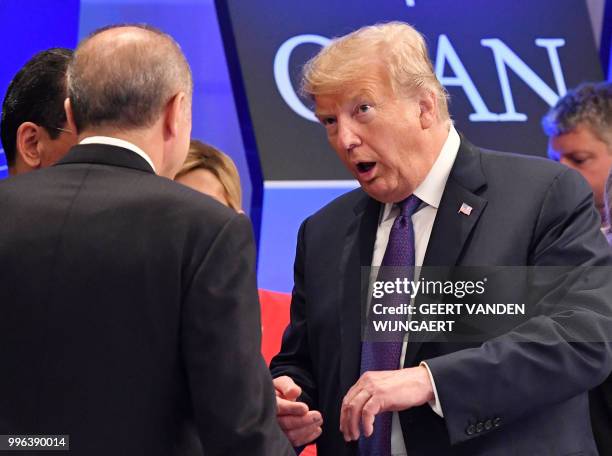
(125, 83)
(36, 94)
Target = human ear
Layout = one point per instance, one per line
(428, 107)
(28, 137)
(70, 123)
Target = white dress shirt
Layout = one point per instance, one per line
(119, 143)
(430, 193)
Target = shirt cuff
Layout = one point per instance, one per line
(435, 402)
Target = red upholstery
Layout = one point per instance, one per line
(274, 320)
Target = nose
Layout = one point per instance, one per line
(347, 137)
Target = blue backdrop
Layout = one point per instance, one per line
(32, 25)
(25, 30)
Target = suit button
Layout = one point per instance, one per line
(470, 429)
(488, 425)
(479, 427)
(497, 422)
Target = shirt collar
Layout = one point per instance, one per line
(431, 189)
(119, 143)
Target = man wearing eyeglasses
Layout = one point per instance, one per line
(33, 127)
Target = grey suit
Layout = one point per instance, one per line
(501, 397)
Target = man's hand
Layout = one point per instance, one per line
(300, 425)
(382, 391)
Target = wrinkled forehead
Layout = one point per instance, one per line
(372, 90)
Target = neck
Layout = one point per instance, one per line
(144, 139)
(19, 167)
(438, 134)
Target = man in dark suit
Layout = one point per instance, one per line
(580, 131)
(428, 197)
(129, 313)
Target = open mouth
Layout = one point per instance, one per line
(364, 167)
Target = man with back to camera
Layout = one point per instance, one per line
(428, 197)
(128, 302)
(33, 126)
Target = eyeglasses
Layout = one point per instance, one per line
(65, 130)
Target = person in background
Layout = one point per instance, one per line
(210, 171)
(600, 397)
(580, 130)
(609, 206)
(579, 127)
(33, 126)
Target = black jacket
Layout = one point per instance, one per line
(129, 316)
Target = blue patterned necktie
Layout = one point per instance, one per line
(377, 356)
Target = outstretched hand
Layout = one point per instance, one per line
(300, 425)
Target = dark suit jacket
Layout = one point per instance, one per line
(600, 401)
(129, 316)
(506, 396)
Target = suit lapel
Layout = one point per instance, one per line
(452, 227)
(356, 253)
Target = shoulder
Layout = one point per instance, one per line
(338, 212)
(525, 174)
(185, 207)
(345, 205)
(527, 165)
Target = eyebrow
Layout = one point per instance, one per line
(353, 98)
(578, 151)
(321, 114)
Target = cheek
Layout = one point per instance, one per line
(341, 153)
(606, 162)
(570, 164)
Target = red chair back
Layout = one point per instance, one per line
(274, 320)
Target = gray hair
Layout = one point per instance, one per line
(125, 81)
(589, 104)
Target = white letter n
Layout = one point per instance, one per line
(504, 56)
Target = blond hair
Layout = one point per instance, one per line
(205, 156)
(394, 50)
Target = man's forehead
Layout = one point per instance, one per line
(367, 91)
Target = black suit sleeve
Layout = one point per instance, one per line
(231, 388)
(560, 352)
(294, 358)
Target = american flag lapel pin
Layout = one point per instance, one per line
(465, 209)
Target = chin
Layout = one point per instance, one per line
(383, 197)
